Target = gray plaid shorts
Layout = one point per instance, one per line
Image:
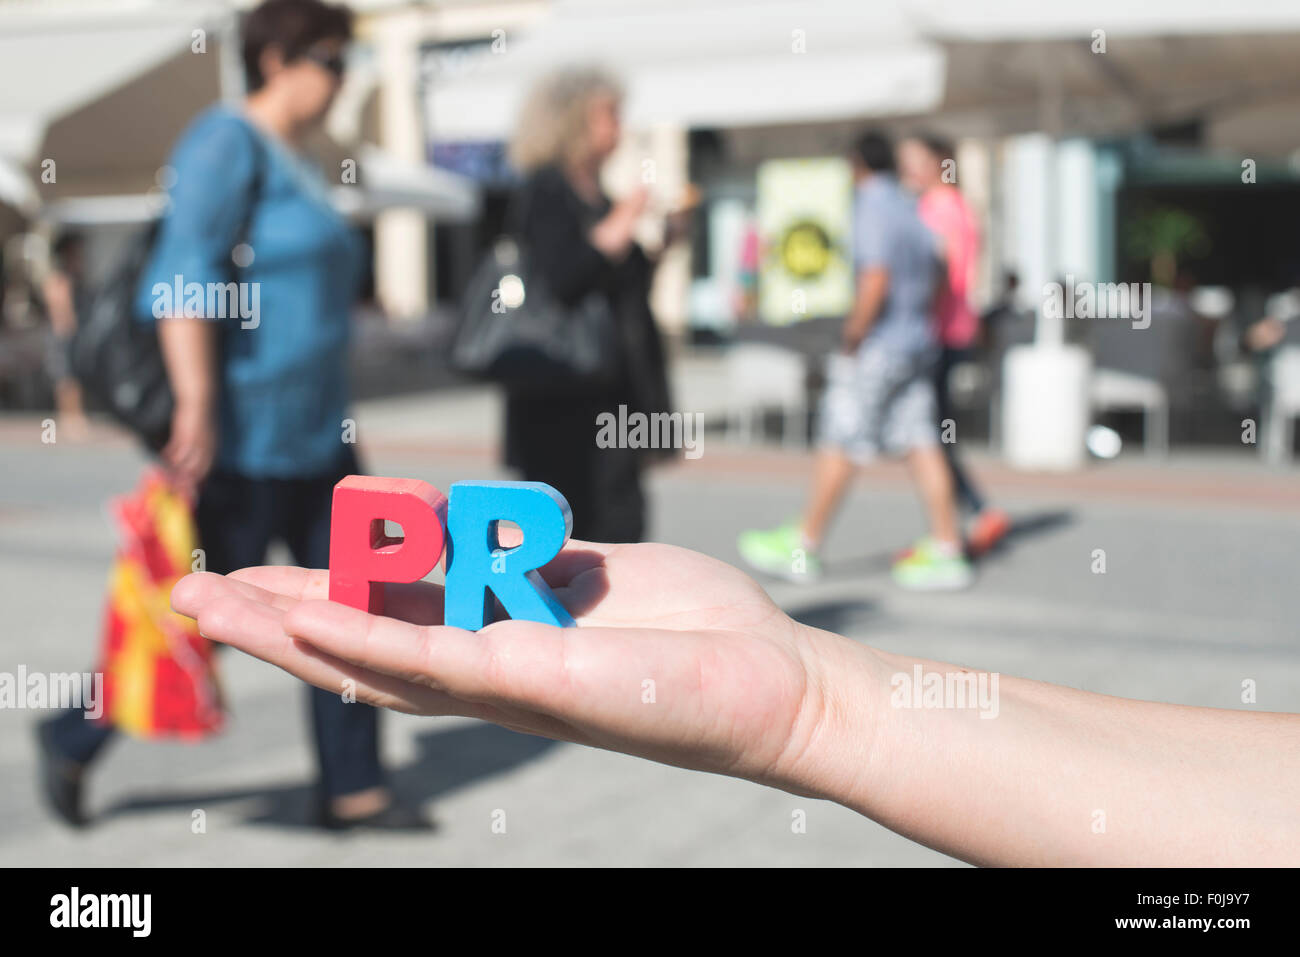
(879, 401)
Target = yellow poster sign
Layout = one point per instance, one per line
(805, 220)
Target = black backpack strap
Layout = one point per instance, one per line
(257, 185)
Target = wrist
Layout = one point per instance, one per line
(837, 748)
(194, 406)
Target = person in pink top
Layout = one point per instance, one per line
(927, 166)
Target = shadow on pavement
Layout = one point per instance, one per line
(1023, 528)
(447, 761)
(836, 616)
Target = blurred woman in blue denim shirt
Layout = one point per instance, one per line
(259, 368)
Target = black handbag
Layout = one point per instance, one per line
(514, 332)
(118, 359)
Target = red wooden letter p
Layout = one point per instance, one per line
(362, 557)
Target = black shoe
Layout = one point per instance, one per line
(395, 817)
(60, 779)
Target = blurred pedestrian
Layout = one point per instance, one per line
(751, 263)
(880, 393)
(927, 167)
(62, 289)
(260, 385)
(582, 242)
(1280, 323)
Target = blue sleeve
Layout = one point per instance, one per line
(208, 208)
(871, 228)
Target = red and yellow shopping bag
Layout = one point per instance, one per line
(159, 676)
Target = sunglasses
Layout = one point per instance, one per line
(331, 60)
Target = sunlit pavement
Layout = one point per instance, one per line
(1198, 596)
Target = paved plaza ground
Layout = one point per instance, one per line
(1199, 594)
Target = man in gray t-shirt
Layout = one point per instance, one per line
(876, 400)
(880, 392)
(888, 235)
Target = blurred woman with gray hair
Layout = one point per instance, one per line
(583, 243)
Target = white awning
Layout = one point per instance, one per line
(104, 89)
(1038, 20)
(16, 189)
(387, 183)
(726, 63)
(1111, 66)
(57, 57)
(733, 63)
(82, 211)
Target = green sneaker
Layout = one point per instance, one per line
(927, 567)
(779, 552)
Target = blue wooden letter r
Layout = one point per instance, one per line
(477, 564)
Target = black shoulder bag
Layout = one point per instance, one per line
(515, 333)
(117, 358)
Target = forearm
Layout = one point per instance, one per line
(613, 235)
(1033, 773)
(58, 303)
(859, 321)
(873, 284)
(189, 353)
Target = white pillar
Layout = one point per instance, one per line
(657, 158)
(1027, 190)
(401, 235)
(672, 282)
(1045, 402)
(975, 179)
(1078, 213)
(231, 79)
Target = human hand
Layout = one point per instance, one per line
(1265, 334)
(677, 657)
(741, 689)
(677, 226)
(677, 223)
(634, 202)
(850, 340)
(614, 234)
(191, 447)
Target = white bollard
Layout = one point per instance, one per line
(1045, 409)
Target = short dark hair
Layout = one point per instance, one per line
(67, 244)
(936, 143)
(295, 26)
(874, 150)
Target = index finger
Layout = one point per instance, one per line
(303, 584)
(419, 603)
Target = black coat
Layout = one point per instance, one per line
(553, 438)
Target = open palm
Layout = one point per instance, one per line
(677, 657)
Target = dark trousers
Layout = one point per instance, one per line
(603, 489)
(553, 440)
(967, 495)
(238, 518)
